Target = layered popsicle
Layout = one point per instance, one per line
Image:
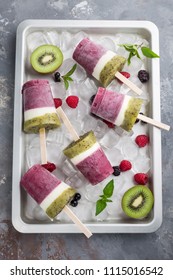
(87, 155)
(99, 62)
(38, 105)
(47, 190)
(117, 108)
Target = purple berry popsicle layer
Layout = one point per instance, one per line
(47, 190)
(117, 108)
(99, 62)
(38, 105)
(87, 155)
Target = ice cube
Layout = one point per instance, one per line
(129, 149)
(114, 155)
(89, 123)
(108, 43)
(58, 90)
(110, 139)
(142, 164)
(53, 37)
(76, 180)
(68, 168)
(39, 214)
(101, 129)
(36, 39)
(82, 110)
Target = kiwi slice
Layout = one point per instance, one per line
(137, 202)
(46, 58)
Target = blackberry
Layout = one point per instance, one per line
(57, 77)
(74, 202)
(77, 196)
(143, 76)
(117, 170)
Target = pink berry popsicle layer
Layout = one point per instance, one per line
(117, 108)
(39, 107)
(99, 62)
(47, 190)
(87, 155)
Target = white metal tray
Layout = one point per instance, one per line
(22, 206)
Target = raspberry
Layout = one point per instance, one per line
(141, 178)
(142, 140)
(125, 74)
(125, 165)
(109, 124)
(143, 76)
(58, 102)
(49, 166)
(72, 101)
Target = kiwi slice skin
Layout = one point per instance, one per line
(137, 202)
(46, 59)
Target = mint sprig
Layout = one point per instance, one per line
(66, 78)
(104, 198)
(133, 51)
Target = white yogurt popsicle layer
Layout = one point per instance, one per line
(98, 61)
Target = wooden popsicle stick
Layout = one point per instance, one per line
(43, 149)
(153, 122)
(128, 83)
(67, 123)
(76, 220)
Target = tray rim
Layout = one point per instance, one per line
(156, 222)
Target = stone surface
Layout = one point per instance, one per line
(14, 245)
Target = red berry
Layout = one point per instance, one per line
(125, 165)
(142, 140)
(141, 178)
(109, 124)
(49, 166)
(72, 101)
(58, 102)
(125, 74)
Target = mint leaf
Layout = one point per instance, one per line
(109, 188)
(133, 51)
(148, 52)
(107, 193)
(68, 79)
(69, 73)
(100, 206)
(66, 83)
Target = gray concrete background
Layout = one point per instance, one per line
(13, 245)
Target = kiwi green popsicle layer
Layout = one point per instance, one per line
(58, 204)
(108, 73)
(85, 142)
(47, 121)
(131, 113)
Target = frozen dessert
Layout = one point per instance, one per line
(38, 105)
(117, 108)
(99, 62)
(47, 190)
(87, 155)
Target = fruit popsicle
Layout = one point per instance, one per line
(99, 62)
(87, 155)
(117, 108)
(39, 107)
(47, 190)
